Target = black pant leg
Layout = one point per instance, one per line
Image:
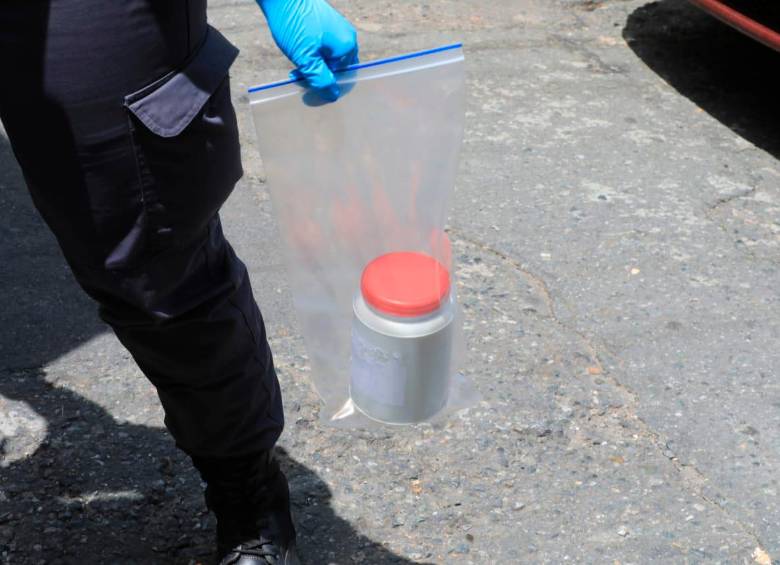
(133, 192)
(211, 364)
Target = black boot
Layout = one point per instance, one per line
(251, 500)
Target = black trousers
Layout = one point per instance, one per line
(119, 114)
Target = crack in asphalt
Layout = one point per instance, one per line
(731, 197)
(710, 214)
(692, 478)
(596, 63)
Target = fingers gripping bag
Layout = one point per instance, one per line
(361, 188)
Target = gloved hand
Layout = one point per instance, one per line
(315, 37)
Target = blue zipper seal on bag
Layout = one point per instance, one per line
(358, 66)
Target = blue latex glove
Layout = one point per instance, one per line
(315, 37)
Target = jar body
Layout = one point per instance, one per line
(400, 367)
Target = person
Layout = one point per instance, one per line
(120, 116)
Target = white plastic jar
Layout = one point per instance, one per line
(402, 336)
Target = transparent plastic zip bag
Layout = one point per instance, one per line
(360, 190)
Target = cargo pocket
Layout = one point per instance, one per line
(185, 139)
(168, 106)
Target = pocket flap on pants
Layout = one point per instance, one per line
(168, 105)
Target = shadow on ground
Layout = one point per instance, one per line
(98, 490)
(728, 75)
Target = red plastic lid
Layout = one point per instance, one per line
(405, 284)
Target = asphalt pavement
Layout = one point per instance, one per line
(617, 230)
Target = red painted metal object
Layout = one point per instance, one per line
(741, 21)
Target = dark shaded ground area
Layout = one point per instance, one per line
(101, 492)
(727, 74)
(97, 490)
